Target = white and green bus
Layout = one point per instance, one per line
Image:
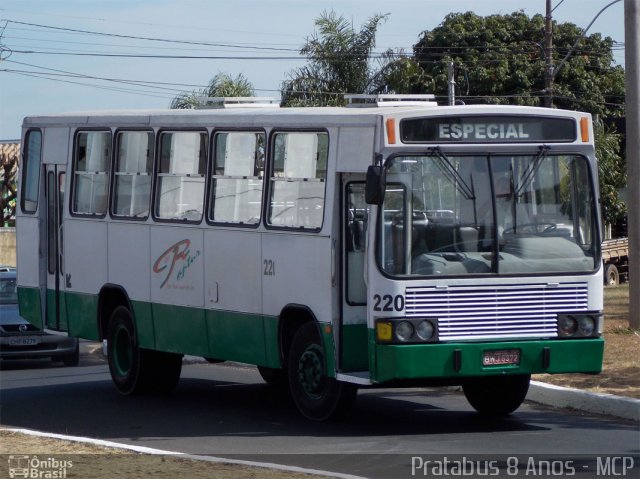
(388, 243)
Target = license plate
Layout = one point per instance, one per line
(501, 358)
(23, 341)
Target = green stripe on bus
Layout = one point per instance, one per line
(82, 313)
(354, 348)
(30, 304)
(237, 337)
(412, 361)
(144, 324)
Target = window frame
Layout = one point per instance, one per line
(74, 164)
(595, 247)
(271, 167)
(155, 183)
(345, 212)
(211, 165)
(112, 189)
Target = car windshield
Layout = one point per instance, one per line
(8, 291)
(487, 214)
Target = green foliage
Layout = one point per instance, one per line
(8, 189)
(338, 62)
(612, 172)
(221, 85)
(500, 59)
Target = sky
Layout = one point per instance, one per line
(48, 61)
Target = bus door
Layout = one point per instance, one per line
(353, 342)
(54, 193)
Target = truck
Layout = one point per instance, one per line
(615, 259)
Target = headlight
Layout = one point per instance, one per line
(586, 325)
(568, 325)
(580, 325)
(404, 331)
(425, 330)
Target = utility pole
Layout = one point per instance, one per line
(632, 97)
(452, 85)
(548, 58)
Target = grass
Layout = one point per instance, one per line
(621, 368)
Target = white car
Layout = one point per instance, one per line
(21, 340)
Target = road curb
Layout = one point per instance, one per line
(599, 403)
(181, 455)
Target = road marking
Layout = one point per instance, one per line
(182, 455)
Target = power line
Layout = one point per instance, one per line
(83, 75)
(149, 24)
(154, 39)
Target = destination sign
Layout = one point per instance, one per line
(488, 129)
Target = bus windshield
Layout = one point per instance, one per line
(487, 214)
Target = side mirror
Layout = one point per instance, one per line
(376, 185)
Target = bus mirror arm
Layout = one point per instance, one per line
(376, 182)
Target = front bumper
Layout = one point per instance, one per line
(453, 360)
(44, 345)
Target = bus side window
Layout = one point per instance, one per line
(236, 191)
(356, 217)
(298, 180)
(31, 171)
(132, 177)
(180, 190)
(92, 164)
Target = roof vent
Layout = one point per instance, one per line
(373, 101)
(238, 102)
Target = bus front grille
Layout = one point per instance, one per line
(496, 312)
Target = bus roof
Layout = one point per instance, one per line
(256, 116)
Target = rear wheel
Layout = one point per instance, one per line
(135, 370)
(497, 395)
(316, 396)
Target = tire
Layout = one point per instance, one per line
(497, 395)
(274, 376)
(611, 275)
(72, 359)
(316, 396)
(135, 370)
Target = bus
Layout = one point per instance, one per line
(387, 243)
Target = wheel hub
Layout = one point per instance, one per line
(123, 354)
(311, 371)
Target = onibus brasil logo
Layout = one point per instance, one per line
(35, 467)
(178, 258)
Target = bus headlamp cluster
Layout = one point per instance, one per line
(579, 325)
(406, 330)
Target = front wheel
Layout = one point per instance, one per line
(135, 370)
(317, 396)
(497, 395)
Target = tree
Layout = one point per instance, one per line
(221, 85)
(339, 62)
(612, 172)
(8, 189)
(500, 59)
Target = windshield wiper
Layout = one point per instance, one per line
(531, 170)
(448, 169)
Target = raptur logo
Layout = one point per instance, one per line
(178, 258)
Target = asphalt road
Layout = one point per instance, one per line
(227, 411)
